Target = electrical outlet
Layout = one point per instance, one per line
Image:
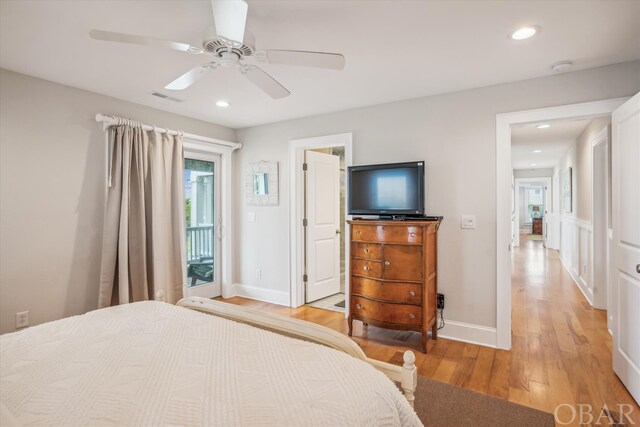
(22, 319)
(258, 273)
(440, 301)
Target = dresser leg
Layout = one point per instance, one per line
(350, 322)
(434, 331)
(425, 337)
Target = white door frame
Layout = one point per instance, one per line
(547, 196)
(225, 228)
(297, 148)
(504, 193)
(601, 138)
(211, 289)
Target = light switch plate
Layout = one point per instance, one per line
(252, 217)
(468, 222)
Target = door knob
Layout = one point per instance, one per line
(638, 268)
(338, 231)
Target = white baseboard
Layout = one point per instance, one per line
(577, 280)
(261, 294)
(468, 332)
(458, 331)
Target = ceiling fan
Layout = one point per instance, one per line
(230, 45)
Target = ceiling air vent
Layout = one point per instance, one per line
(167, 97)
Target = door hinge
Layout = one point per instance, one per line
(305, 278)
(305, 222)
(304, 166)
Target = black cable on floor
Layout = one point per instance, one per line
(441, 319)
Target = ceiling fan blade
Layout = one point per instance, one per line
(333, 61)
(144, 41)
(190, 77)
(264, 81)
(230, 17)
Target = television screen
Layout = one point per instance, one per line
(392, 189)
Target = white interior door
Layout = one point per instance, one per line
(203, 223)
(626, 244)
(322, 208)
(546, 239)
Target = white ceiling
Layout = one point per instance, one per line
(554, 142)
(394, 49)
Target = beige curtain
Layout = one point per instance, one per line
(142, 250)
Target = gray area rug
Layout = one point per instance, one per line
(439, 404)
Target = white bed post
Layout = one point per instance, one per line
(409, 376)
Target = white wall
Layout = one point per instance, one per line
(576, 247)
(455, 134)
(52, 177)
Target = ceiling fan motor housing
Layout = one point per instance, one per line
(219, 46)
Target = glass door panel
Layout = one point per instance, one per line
(201, 185)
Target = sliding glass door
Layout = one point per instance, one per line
(202, 214)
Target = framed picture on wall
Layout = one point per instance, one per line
(262, 183)
(566, 191)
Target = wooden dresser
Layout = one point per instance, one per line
(394, 275)
(536, 226)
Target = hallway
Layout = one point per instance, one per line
(561, 348)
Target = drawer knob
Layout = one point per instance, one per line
(412, 234)
(357, 231)
(366, 268)
(358, 306)
(387, 263)
(411, 316)
(413, 294)
(366, 251)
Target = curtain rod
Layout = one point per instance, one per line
(110, 121)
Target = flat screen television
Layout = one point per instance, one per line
(395, 189)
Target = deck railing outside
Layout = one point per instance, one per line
(199, 243)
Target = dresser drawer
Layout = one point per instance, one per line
(366, 268)
(407, 293)
(367, 233)
(386, 233)
(366, 250)
(384, 312)
(402, 234)
(402, 262)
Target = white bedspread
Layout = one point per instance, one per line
(154, 364)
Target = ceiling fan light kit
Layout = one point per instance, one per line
(230, 45)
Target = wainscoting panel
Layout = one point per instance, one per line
(576, 252)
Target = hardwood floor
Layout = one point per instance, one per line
(561, 349)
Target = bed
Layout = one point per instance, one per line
(201, 362)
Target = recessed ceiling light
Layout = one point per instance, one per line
(544, 126)
(537, 151)
(533, 164)
(525, 32)
(223, 104)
